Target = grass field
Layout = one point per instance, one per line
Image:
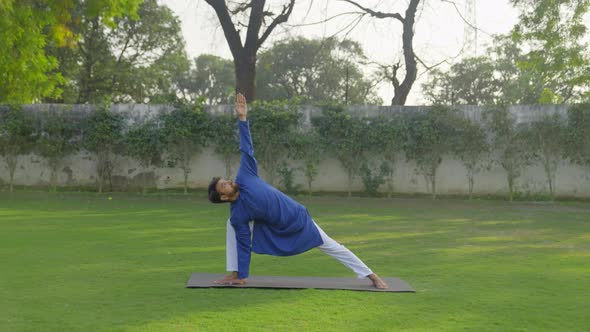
(84, 262)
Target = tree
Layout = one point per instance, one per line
(225, 140)
(185, 134)
(471, 146)
(16, 137)
(516, 83)
(127, 61)
(314, 70)
(343, 137)
(103, 136)
(509, 141)
(213, 78)
(428, 138)
(309, 150)
(555, 31)
(144, 143)
(578, 137)
(401, 89)
(387, 136)
(548, 144)
(469, 82)
(26, 72)
(244, 54)
(26, 27)
(273, 125)
(56, 140)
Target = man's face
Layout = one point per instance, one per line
(226, 188)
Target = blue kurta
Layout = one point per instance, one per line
(282, 227)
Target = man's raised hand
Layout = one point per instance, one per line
(241, 107)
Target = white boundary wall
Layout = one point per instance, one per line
(78, 170)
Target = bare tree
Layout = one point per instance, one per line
(244, 54)
(401, 89)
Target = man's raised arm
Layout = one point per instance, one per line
(248, 164)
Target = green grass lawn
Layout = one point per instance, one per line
(83, 262)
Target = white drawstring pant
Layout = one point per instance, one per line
(329, 247)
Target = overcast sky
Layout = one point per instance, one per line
(438, 29)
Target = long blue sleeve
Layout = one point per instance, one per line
(243, 247)
(248, 162)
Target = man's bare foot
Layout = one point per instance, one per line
(231, 276)
(377, 282)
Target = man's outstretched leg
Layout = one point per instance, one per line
(350, 260)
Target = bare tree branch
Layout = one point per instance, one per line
(282, 18)
(229, 30)
(376, 14)
(241, 8)
(323, 21)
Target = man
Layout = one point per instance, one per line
(279, 225)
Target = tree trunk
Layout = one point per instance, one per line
(350, 177)
(53, 179)
(11, 161)
(390, 185)
(227, 161)
(185, 171)
(144, 177)
(433, 179)
(470, 176)
(100, 181)
(550, 172)
(402, 91)
(510, 186)
(245, 68)
(245, 54)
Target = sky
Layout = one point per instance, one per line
(438, 30)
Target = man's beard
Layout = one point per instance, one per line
(235, 187)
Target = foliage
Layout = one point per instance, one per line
(373, 177)
(578, 137)
(469, 82)
(516, 84)
(185, 133)
(273, 124)
(144, 143)
(103, 136)
(213, 78)
(428, 134)
(27, 71)
(470, 144)
(225, 140)
(316, 70)
(509, 141)
(344, 138)
(133, 60)
(554, 31)
(57, 139)
(16, 137)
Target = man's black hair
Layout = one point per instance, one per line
(214, 196)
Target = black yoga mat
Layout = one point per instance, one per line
(205, 280)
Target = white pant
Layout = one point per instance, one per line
(329, 246)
